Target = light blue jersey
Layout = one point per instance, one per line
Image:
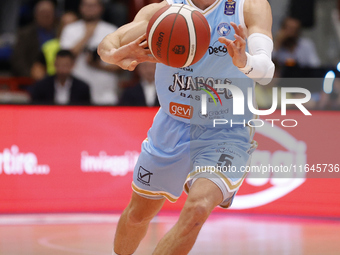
(180, 89)
(181, 143)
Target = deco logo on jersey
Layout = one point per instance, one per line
(217, 49)
(179, 49)
(223, 29)
(144, 175)
(229, 8)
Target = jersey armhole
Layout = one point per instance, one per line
(169, 1)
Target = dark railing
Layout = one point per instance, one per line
(16, 84)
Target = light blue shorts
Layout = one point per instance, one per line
(175, 154)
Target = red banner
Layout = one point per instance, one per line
(68, 159)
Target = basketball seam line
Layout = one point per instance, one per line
(196, 38)
(167, 53)
(189, 37)
(207, 27)
(193, 52)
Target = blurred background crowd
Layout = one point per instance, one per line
(48, 53)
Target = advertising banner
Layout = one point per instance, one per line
(81, 159)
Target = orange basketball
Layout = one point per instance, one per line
(178, 35)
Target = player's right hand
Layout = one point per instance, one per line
(236, 48)
(130, 55)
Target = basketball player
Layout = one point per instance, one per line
(182, 140)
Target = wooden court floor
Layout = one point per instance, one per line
(56, 234)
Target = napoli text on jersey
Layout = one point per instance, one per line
(181, 90)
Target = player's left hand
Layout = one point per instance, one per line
(236, 48)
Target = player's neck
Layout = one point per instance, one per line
(203, 4)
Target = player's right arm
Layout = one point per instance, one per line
(127, 46)
(257, 64)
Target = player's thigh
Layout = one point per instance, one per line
(142, 209)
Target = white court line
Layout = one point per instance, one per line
(69, 218)
(75, 218)
(41, 219)
(45, 241)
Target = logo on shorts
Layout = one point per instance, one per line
(225, 160)
(228, 150)
(181, 110)
(179, 49)
(144, 175)
(223, 29)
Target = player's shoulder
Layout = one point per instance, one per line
(254, 5)
(255, 2)
(253, 9)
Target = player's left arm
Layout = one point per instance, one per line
(257, 64)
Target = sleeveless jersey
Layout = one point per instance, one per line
(180, 90)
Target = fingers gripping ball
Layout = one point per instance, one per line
(178, 35)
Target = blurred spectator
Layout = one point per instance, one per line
(264, 94)
(72, 6)
(293, 50)
(310, 105)
(331, 101)
(264, 97)
(45, 63)
(9, 16)
(82, 38)
(144, 92)
(116, 12)
(30, 38)
(136, 5)
(61, 88)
